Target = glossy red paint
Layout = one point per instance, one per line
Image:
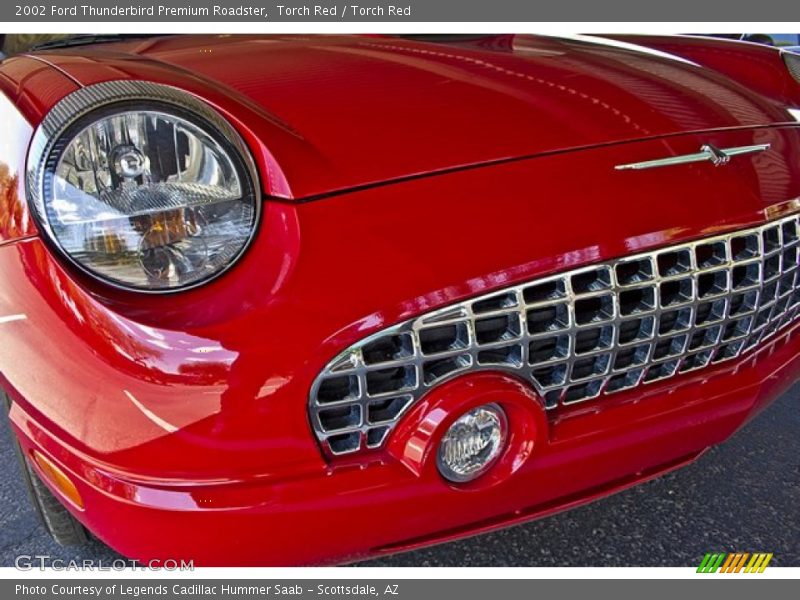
(183, 418)
(26, 92)
(757, 66)
(395, 108)
(346, 513)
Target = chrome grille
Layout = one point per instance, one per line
(575, 336)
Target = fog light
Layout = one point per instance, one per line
(472, 443)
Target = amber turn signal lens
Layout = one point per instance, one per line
(58, 478)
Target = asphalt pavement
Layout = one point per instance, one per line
(741, 496)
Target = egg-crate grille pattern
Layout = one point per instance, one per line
(588, 332)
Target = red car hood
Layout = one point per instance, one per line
(342, 112)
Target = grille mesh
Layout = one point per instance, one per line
(585, 333)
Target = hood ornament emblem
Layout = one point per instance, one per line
(712, 154)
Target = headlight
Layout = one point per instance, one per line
(143, 185)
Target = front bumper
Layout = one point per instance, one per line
(184, 422)
(350, 512)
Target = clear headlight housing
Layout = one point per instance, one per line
(155, 193)
(472, 444)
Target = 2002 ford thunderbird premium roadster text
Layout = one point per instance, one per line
(273, 300)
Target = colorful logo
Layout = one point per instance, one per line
(734, 562)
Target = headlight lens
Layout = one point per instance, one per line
(147, 195)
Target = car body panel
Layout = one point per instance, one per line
(757, 66)
(228, 378)
(28, 89)
(350, 513)
(15, 218)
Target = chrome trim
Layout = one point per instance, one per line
(574, 336)
(707, 152)
(791, 59)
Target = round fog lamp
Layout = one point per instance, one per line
(472, 443)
